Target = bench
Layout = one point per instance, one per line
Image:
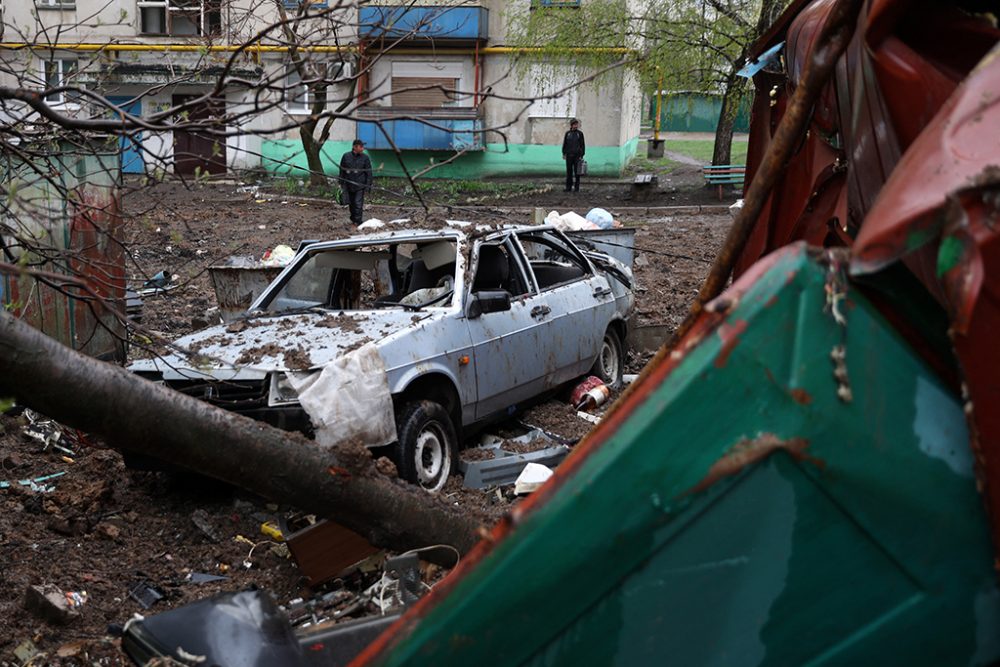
(644, 186)
(724, 174)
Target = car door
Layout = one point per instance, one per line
(579, 303)
(509, 351)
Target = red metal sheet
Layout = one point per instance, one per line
(953, 151)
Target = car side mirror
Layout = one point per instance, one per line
(488, 301)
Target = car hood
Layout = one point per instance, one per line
(253, 346)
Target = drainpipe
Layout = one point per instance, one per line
(475, 78)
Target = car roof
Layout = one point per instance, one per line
(454, 229)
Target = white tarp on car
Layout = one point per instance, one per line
(348, 399)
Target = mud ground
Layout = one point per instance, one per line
(105, 529)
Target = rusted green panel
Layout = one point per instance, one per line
(744, 514)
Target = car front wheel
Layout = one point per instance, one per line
(610, 364)
(425, 451)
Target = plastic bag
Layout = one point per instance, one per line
(601, 218)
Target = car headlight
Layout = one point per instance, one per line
(282, 392)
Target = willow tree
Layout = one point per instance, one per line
(694, 45)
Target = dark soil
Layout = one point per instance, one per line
(105, 528)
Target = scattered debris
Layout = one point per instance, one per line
(272, 530)
(46, 431)
(586, 416)
(569, 221)
(203, 522)
(601, 218)
(203, 578)
(161, 282)
(589, 394)
(145, 594)
(36, 483)
(25, 651)
(323, 549)
(404, 573)
(50, 603)
(498, 461)
(280, 255)
(532, 477)
(215, 631)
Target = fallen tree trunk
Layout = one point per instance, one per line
(149, 419)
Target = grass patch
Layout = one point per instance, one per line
(702, 150)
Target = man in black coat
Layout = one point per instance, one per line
(573, 150)
(355, 180)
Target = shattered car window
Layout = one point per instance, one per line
(406, 275)
(553, 262)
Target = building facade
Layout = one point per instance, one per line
(432, 81)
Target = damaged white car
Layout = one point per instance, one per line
(412, 339)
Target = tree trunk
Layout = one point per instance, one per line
(150, 419)
(312, 149)
(770, 10)
(722, 152)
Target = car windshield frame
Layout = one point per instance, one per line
(262, 305)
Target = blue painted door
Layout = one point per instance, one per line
(131, 146)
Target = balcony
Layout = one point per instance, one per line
(452, 24)
(442, 129)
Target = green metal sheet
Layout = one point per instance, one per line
(744, 514)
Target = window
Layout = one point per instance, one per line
(59, 72)
(498, 267)
(428, 84)
(555, 3)
(195, 18)
(553, 261)
(297, 98)
(55, 4)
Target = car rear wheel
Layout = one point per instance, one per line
(610, 364)
(426, 446)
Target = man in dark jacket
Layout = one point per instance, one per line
(355, 180)
(573, 150)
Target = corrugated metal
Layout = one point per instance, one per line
(422, 91)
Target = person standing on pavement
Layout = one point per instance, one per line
(573, 149)
(355, 180)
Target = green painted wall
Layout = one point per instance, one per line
(285, 156)
(694, 112)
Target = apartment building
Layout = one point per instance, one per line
(430, 79)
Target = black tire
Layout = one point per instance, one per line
(426, 446)
(610, 362)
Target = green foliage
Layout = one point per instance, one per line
(688, 46)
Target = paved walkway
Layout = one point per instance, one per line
(680, 157)
(690, 136)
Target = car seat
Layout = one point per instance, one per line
(493, 272)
